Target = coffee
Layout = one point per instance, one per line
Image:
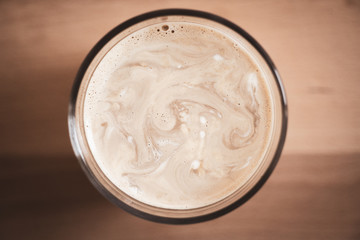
(178, 115)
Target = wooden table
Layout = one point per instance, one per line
(314, 192)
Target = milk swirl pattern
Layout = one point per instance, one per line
(178, 115)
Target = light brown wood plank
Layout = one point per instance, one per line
(314, 44)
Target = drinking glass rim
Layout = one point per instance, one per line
(120, 28)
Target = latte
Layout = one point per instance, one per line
(178, 115)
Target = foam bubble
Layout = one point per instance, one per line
(217, 57)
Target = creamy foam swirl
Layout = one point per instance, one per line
(177, 116)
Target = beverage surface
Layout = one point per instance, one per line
(178, 115)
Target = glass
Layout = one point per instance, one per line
(157, 214)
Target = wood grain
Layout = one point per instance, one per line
(313, 43)
(313, 193)
(308, 196)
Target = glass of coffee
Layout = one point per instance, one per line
(178, 116)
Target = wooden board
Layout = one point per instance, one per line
(307, 197)
(313, 194)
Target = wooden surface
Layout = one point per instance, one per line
(314, 192)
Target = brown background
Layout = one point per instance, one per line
(314, 192)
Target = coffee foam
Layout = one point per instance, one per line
(177, 115)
